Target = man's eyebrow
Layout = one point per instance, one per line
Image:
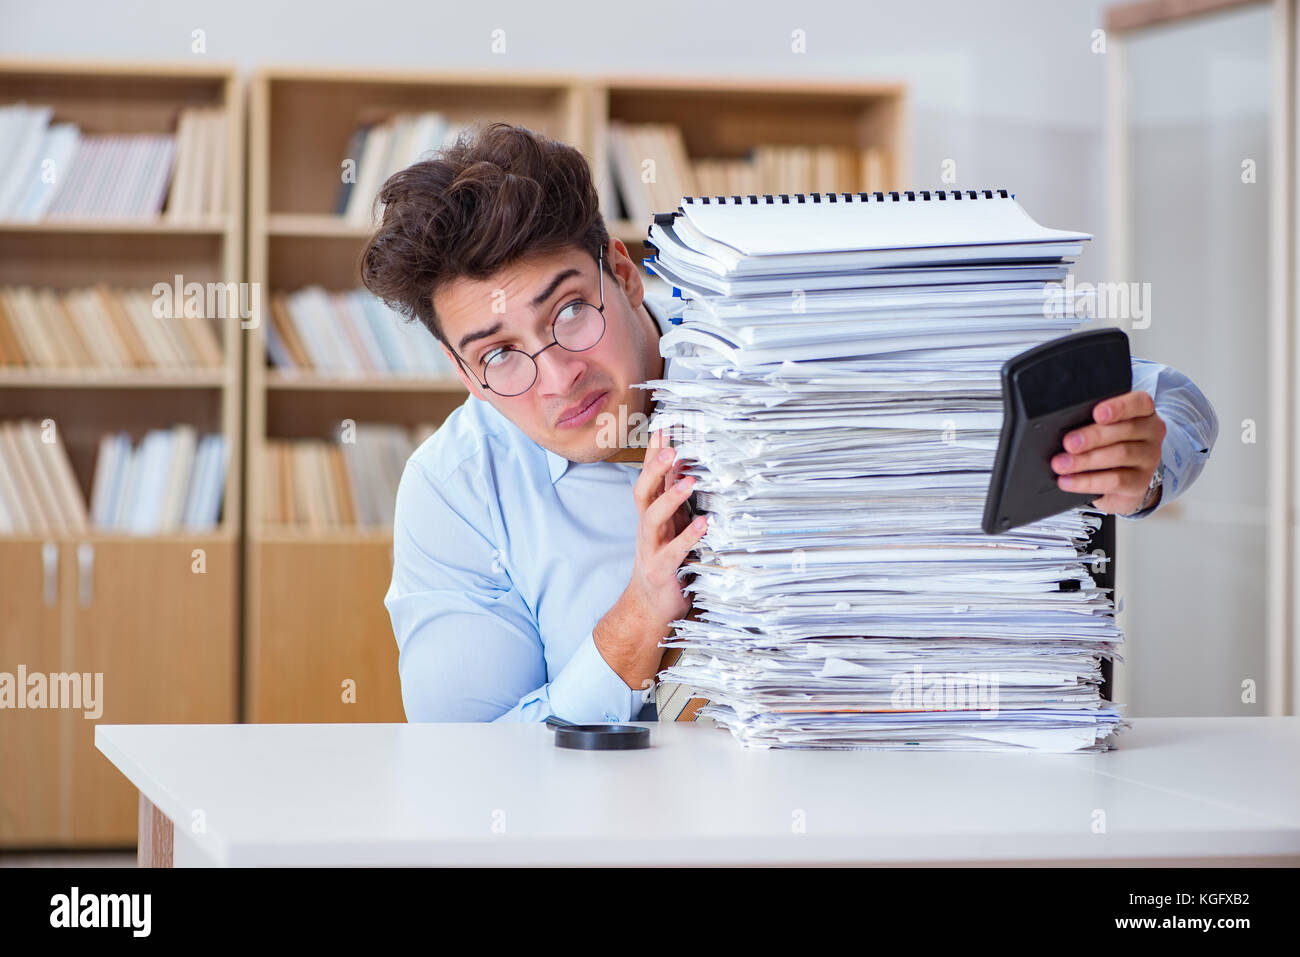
(475, 336)
(537, 301)
(550, 290)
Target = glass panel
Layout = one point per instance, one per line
(1198, 95)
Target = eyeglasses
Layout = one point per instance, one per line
(579, 326)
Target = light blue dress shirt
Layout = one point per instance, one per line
(506, 555)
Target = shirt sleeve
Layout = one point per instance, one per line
(468, 646)
(1191, 427)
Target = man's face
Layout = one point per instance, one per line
(575, 392)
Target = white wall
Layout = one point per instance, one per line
(1009, 90)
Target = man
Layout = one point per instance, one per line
(532, 577)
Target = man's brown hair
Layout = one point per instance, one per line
(497, 195)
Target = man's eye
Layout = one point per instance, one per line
(570, 311)
(494, 355)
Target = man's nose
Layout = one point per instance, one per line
(557, 370)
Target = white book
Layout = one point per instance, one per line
(162, 151)
(101, 489)
(207, 505)
(124, 489)
(199, 477)
(22, 164)
(145, 517)
(105, 194)
(179, 476)
(75, 179)
(16, 518)
(370, 174)
(58, 148)
(352, 312)
(383, 323)
(132, 176)
(430, 129)
(12, 117)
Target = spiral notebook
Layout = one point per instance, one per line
(739, 237)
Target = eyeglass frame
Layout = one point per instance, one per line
(600, 271)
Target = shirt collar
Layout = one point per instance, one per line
(558, 464)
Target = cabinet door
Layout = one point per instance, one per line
(33, 798)
(318, 627)
(157, 621)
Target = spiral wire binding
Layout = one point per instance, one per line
(894, 196)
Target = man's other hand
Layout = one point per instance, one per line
(1116, 456)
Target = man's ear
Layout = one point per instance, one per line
(629, 277)
(474, 388)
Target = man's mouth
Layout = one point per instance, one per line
(581, 413)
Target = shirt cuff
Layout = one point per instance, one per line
(588, 691)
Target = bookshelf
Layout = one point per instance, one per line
(314, 615)
(726, 119)
(308, 600)
(156, 614)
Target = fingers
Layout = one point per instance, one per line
(658, 459)
(1095, 436)
(1126, 481)
(1130, 405)
(662, 509)
(1120, 455)
(689, 537)
(676, 473)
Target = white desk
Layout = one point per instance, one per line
(1177, 790)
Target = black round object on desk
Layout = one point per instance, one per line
(602, 737)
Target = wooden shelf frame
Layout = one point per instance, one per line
(724, 118)
(121, 97)
(157, 615)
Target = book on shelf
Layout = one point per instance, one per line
(349, 333)
(650, 167)
(38, 490)
(378, 150)
(57, 171)
(319, 485)
(199, 184)
(652, 171)
(171, 481)
(104, 329)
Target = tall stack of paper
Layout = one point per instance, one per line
(834, 376)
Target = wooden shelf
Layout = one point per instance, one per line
(22, 378)
(316, 382)
(163, 632)
(296, 535)
(224, 532)
(160, 227)
(312, 610)
(315, 225)
(725, 118)
(302, 595)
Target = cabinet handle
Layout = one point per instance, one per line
(85, 573)
(50, 563)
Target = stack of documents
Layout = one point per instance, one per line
(834, 374)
